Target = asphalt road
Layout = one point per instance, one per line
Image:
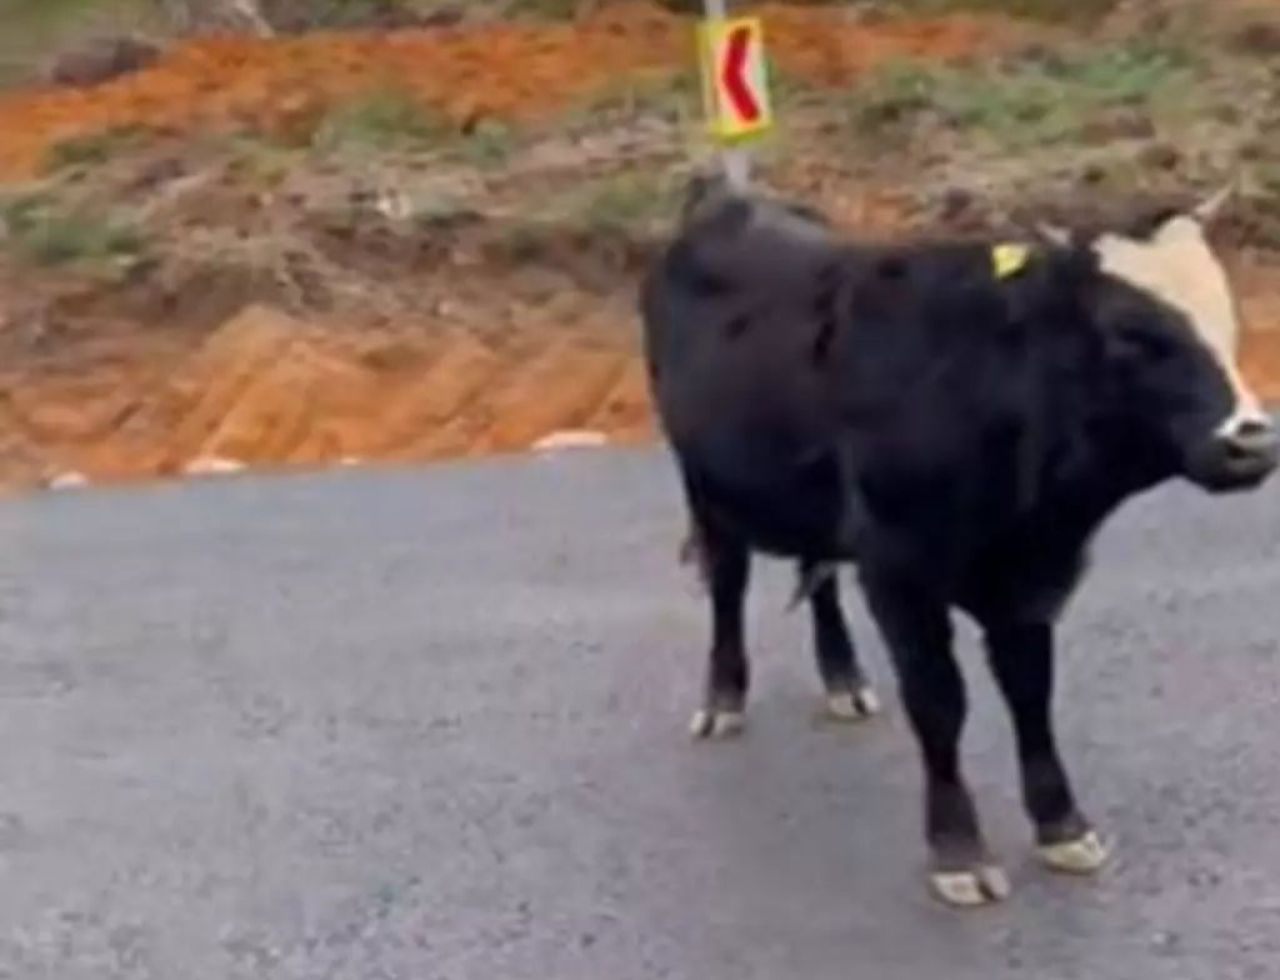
(431, 725)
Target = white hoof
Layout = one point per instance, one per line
(1078, 857)
(869, 701)
(972, 888)
(853, 706)
(716, 725)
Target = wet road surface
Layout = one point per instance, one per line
(432, 725)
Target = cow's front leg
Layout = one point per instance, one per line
(1022, 660)
(917, 630)
(727, 564)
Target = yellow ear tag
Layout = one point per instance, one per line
(1009, 258)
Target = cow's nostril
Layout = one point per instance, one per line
(1253, 429)
(1251, 438)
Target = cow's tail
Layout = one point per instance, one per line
(809, 579)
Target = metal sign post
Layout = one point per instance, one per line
(735, 87)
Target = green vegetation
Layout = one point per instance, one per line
(791, 90)
(390, 120)
(626, 202)
(1054, 11)
(490, 144)
(47, 17)
(541, 10)
(94, 148)
(303, 15)
(39, 230)
(257, 159)
(439, 210)
(1057, 11)
(334, 13)
(623, 207)
(30, 30)
(382, 120)
(1033, 101)
(677, 94)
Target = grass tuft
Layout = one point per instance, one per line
(1035, 100)
(93, 149)
(382, 120)
(40, 231)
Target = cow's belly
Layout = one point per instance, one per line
(781, 507)
(749, 426)
(783, 535)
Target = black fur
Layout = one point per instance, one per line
(958, 436)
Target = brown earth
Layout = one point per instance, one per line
(467, 72)
(277, 330)
(266, 390)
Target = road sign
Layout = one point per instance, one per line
(734, 80)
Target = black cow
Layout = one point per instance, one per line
(955, 418)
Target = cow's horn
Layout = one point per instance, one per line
(1054, 234)
(1211, 207)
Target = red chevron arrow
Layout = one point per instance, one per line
(732, 76)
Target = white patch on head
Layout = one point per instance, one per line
(1177, 266)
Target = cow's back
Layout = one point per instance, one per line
(731, 317)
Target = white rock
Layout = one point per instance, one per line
(213, 466)
(571, 439)
(68, 481)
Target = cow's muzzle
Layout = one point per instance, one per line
(1240, 456)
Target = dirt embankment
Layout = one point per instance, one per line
(265, 389)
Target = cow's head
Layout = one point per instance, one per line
(1169, 331)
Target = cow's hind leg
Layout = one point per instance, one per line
(726, 563)
(691, 552)
(849, 696)
(917, 631)
(1022, 660)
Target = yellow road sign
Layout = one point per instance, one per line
(735, 82)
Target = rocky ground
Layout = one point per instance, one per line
(423, 243)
